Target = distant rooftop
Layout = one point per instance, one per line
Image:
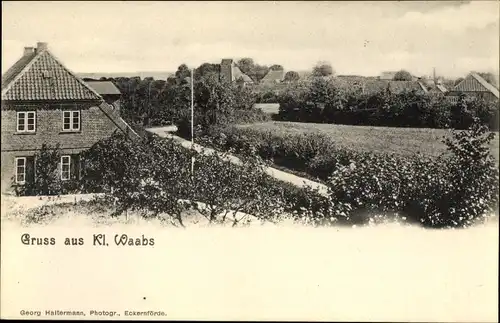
(104, 87)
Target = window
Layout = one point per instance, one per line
(65, 167)
(20, 170)
(71, 120)
(26, 121)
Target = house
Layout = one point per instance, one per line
(437, 88)
(232, 73)
(273, 76)
(44, 102)
(108, 91)
(476, 86)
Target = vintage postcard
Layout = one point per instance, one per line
(270, 160)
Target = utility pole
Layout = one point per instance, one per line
(192, 121)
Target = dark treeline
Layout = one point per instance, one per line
(148, 102)
(320, 101)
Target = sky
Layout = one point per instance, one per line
(358, 38)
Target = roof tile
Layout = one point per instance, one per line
(43, 77)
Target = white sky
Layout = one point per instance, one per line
(362, 38)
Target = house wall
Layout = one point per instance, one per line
(94, 126)
(488, 96)
(8, 166)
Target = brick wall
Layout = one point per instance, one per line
(8, 166)
(94, 126)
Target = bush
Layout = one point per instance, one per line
(448, 191)
(453, 189)
(325, 101)
(156, 176)
(45, 176)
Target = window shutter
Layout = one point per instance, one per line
(30, 170)
(75, 171)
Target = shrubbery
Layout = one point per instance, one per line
(156, 176)
(453, 189)
(43, 175)
(323, 101)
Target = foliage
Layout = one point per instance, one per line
(323, 100)
(323, 69)
(449, 190)
(156, 176)
(402, 75)
(291, 76)
(43, 175)
(255, 71)
(275, 67)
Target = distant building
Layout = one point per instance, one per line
(476, 86)
(232, 73)
(274, 76)
(108, 91)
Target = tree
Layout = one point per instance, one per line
(276, 67)
(246, 65)
(292, 76)
(323, 69)
(182, 73)
(402, 75)
(259, 72)
(214, 100)
(46, 180)
(205, 69)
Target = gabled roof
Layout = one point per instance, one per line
(104, 87)
(274, 75)
(114, 116)
(15, 69)
(245, 78)
(475, 83)
(441, 88)
(41, 76)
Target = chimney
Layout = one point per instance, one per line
(28, 51)
(41, 46)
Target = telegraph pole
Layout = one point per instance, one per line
(192, 120)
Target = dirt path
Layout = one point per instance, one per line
(276, 173)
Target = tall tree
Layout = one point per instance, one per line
(402, 75)
(323, 69)
(292, 76)
(182, 73)
(246, 65)
(205, 69)
(276, 67)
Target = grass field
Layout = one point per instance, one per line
(365, 138)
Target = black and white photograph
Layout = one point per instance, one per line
(250, 160)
